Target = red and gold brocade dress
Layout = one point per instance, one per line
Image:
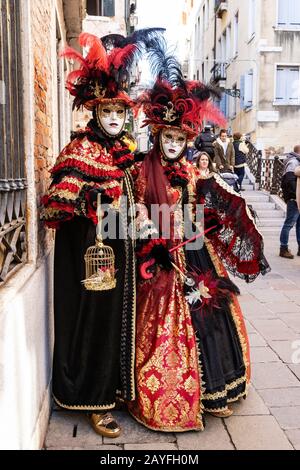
(193, 357)
(168, 381)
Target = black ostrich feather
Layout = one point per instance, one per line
(205, 91)
(163, 64)
(140, 38)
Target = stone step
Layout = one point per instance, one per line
(270, 214)
(256, 197)
(263, 205)
(270, 222)
(270, 230)
(248, 187)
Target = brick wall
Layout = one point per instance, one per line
(41, 20)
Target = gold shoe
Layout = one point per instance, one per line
(221, 414)
(105, 424)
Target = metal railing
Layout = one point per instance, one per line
(219, 71)
(268, 171)
(12, 172)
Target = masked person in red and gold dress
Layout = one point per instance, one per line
(192, 350)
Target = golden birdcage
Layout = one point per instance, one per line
(99, 261)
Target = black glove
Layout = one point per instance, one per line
(93, 194)
(212, 220)
(162, 257)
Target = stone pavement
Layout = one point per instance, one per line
(268, 419)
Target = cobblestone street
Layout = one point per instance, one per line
(268, 419)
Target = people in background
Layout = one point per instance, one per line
(204, 164)
(224, 152)
(190, 151)
(288, 186)
(204, 142)
(241, 150)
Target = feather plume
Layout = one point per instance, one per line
(140, 38)
(96, 55)
(163, 64)
(70, 53)
(122, 57)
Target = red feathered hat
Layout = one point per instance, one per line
(104, 74)
(174, 101)
(185, 107)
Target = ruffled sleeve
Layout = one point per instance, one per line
(82, 166)
(237, 241)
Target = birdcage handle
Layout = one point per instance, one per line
(99, 218)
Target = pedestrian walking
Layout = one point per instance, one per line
(224, 152)
(288, 185)
(241, 151)
(205, 140)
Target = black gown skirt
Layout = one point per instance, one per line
(94, 331)
(219, 345)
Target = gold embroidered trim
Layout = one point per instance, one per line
(129, 185)
(50, 212)
(236, 382)
(216, 409)
(88, 161)
(223, 393)
(63, 194)
(240, 395)
(72, 180)
(85, 407)
(172, 429)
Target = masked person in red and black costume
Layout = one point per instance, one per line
(94, 331)
(192, 350)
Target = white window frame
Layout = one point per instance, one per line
(276, 103)
(284, 27)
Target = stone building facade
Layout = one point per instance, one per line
(251, 49)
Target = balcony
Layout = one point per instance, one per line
(220, 8)
(219, 74)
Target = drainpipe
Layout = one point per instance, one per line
(215, 39)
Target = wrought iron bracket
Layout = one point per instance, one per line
(236, 93)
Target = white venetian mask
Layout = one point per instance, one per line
(172, 142)
(111, 117)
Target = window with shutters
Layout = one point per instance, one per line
(228, 43)
(224, 105)
(12, 169)
(288, 14)
(101, 7)
(287, 85)
(247, 91)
